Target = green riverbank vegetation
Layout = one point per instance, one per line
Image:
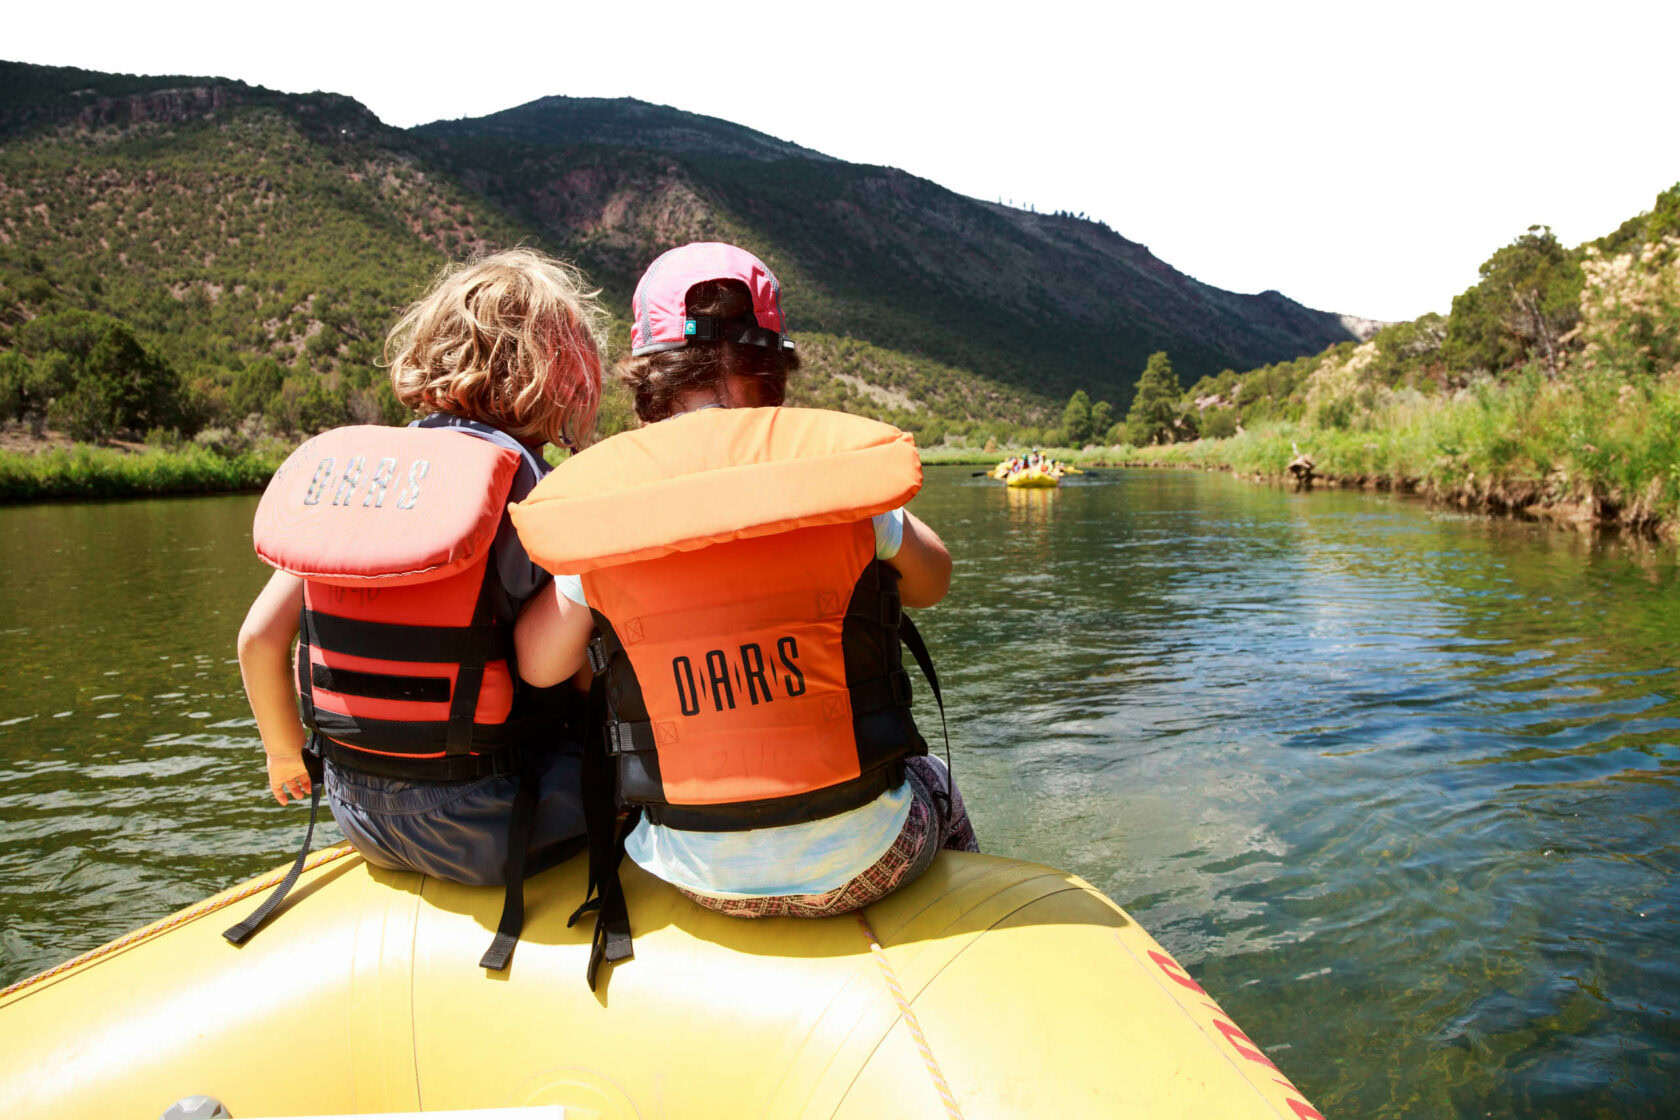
(112, 472)
(1552, 387)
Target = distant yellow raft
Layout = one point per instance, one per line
(1033, 480)
(999, 989)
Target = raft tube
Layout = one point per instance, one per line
(987, 988)
(1033, 480)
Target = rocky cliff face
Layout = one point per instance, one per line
(163, 106)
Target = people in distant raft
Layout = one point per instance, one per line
(394, 550)
(736, 572)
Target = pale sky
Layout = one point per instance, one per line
(1361, 158)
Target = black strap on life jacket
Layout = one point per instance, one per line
(603, 892)
(521, 817)
(242, 932)
(469, 647)
(912, 639)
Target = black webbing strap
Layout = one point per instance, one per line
(890, 691)
(412, 768)
(379, 686)
(395, 641)
(520, 820)
(912, 639)
(746, 331)
(415, 738)
(242, 932)
(600, 808)
(624, 737)
(602, 892)
(307, 638)
(470, 674)
(886, 607)
(611, 940)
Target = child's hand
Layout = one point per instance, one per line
(287, 775)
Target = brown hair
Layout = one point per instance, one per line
(513, 339)
(656, 381)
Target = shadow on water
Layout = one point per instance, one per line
(1397, 785)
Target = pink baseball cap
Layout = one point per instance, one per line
(659, 308)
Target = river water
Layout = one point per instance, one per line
(1398, 786)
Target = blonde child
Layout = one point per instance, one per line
(436, 758)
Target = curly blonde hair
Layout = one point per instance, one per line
(513, 339)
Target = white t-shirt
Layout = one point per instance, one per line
(808, 858)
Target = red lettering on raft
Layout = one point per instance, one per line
(1176, 971)
(1239, 1041)
(1302, 1109)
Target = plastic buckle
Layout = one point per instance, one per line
(614, 734)
(597, 653)
(892, 609)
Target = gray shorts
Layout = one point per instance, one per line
(454, 831)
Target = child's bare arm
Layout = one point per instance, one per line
(265, 664)
(923, 564)
(550, 638)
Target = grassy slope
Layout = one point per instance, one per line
(250, 233)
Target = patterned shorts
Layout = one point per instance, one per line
(932, 824)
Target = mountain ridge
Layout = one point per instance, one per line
(587, 120)
(1067, 290)
(226, 224)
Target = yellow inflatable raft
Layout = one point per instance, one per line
(988, 988)
(1033, 480)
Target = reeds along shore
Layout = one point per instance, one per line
(84, 471)
(1591, 450)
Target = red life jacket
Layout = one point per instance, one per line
(749, 637)
(402, 667)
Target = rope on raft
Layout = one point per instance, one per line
(946, 1097)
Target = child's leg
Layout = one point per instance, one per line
(456, 831)
(956, 832)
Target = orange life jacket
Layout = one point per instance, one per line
(748, 635)
(402, 667)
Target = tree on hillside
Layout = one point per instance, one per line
(16, 373)
(1155, 403)
(320, 407)
(254, 386)
(121, 387)
(1528, 299)
(1076, 419)
(1102, 419)
(72, 333)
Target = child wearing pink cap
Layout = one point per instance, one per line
(709, 333)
